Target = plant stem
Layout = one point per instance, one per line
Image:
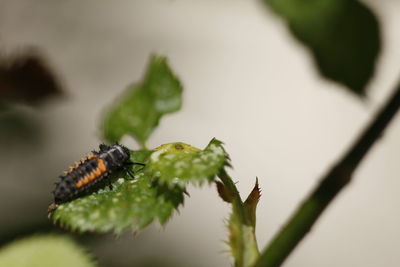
(335, 180)
(242, 239)
(239, 214)
(237, 202)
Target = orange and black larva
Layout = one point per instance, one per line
(91, 170)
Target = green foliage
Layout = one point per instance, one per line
(131, 203)
(177, 164)
(158, 188)
(140, 108)
(44, 251)
(343, 36)
(135, 203)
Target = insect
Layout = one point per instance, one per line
(92, 169)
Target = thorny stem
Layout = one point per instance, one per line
(335, 180)
(242, 239)
(237, 201)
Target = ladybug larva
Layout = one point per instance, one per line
(90, 170)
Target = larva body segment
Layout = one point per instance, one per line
(90, 170)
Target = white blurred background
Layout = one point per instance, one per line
(248, 83)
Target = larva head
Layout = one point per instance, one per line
(115, 156)
(123, 152)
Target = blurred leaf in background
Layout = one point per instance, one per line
(139, 109)
(44, 251)
(27, 78)
(343, 36)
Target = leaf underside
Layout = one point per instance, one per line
(343, 36)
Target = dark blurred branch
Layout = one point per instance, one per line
(27, 78)
(337, 178)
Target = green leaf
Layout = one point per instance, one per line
(343, 36)
(140, 108)
(44, 251)
(177, 164)
(151, 195)
(131, 203)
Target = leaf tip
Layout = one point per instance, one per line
(254, 195)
